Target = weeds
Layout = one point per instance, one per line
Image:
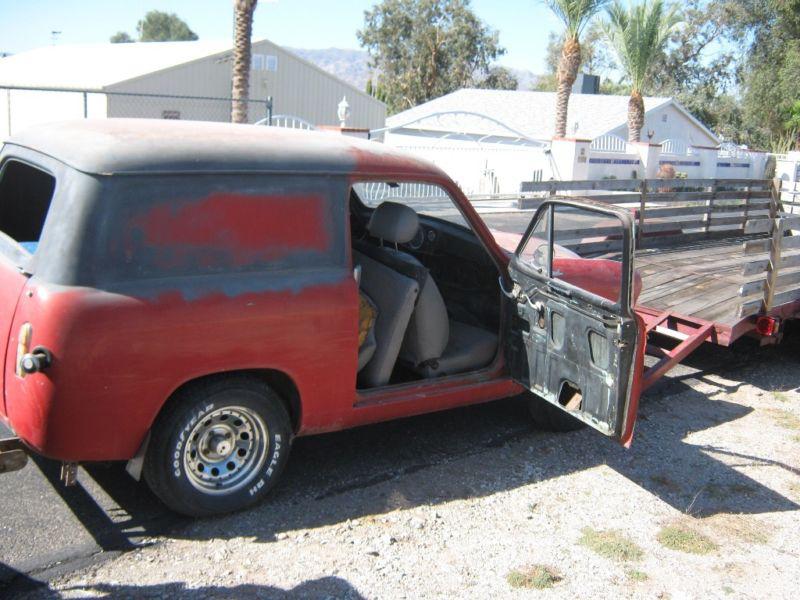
(685, 539)
(610, 544)
(782, 396)
(635, 575)
(785, 419)
(537, 577)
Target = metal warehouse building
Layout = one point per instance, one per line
(170, 80)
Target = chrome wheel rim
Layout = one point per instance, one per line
(226, 450)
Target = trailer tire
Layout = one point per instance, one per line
(550, 418)
(218, 447)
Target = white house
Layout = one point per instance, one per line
(491, 140)
(113, 74)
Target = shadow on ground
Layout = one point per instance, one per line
(326, 587)
(324, 467)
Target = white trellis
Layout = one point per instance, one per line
(287, 121)
(675, 147)
(482, 154)
(610, 143)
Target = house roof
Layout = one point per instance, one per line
(531, 113)
(94, 67)
(137, 146)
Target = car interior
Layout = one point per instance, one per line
(434, 292)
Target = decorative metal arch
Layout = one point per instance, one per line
(516, 137)
(287, 121)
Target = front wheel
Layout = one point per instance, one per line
(218, 447)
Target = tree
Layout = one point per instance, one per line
(121, 37)
(423, 49)
(575, 15)
(240, 85)
(793, 123)
(498, 78)
(769, 76)
(638, 35)
(159, 26)
(596, 59)
(698, 66)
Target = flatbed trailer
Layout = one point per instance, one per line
(718, 258)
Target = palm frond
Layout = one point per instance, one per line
(575, 14)
(638, 35)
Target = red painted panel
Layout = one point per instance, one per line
(253, 228)
(636, 387)
(11, 284)
(596, 275)
(117, 358)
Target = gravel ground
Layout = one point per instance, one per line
(716, 458)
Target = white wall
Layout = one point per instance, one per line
(669, 123)
(612, 164)
(787, 169)
(479, 168)
(20, 109)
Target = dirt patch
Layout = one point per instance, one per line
(739, 527)
(537, 577)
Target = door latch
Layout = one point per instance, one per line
(36, 361)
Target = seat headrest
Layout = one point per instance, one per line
(394, 223)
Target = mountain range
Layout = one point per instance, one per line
(352, 66)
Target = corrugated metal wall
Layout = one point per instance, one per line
(297, 87)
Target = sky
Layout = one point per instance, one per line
(28, 24)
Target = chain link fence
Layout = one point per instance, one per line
(22, 107)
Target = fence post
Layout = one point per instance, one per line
(642, 203)
(85, 105)
(775, 244)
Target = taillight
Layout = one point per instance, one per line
(23, 346)
(767, 326)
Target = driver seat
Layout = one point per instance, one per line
(433, 345)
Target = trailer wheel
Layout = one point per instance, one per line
(549, 418)
(218, 447)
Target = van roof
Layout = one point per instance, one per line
(139, 146)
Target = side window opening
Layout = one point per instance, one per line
(430, 284)
(25, 196)
(575, 234)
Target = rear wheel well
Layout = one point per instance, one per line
(278, 381)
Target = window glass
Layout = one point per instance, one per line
(425, 198)
(587, 249)
(25, 196)
(226, 224)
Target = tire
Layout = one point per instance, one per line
(218, 447)
(549, 418)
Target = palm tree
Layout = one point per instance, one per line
(243, 10)
(575, 15)
(638, 35)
